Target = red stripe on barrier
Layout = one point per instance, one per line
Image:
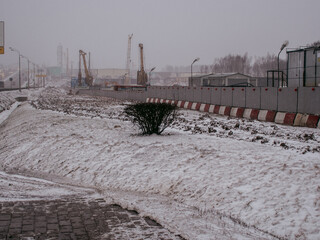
(227, 111)
(289, 119)
(312, 121)
(198, 106)
(254, 114)
(240, 112)
(206, 108)
(175, 102)
(270, 116)
(216, 109)
(189, 105)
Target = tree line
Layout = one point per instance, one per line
(231, 63)
(256, 67)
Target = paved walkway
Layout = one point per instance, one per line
(37, 209)
(75, 218)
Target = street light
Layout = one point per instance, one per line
(15, 50)
(150, 75)
(124, 79)
(28, 70)
(38, 74)
(34, 74)
(285, 43)
(197, 59)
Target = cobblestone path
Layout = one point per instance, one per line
(75, 218)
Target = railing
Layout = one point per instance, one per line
(278, 76)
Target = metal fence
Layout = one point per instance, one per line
(304, 67)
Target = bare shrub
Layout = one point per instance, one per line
(151, 117)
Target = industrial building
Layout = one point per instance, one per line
(303, 67)
(222, 80)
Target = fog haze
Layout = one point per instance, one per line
(174, 32)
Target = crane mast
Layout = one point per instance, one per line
(142, 77)
(88, 78)
(79, 73)
(127, 78)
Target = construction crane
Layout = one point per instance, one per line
(142, 76)
(127, 78)
(88, 78)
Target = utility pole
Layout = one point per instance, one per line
(15, 50)
(127, 78)
(79, 73)
(67, 70)
(89, 64)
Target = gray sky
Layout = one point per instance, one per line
(174, 32)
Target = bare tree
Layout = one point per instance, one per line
(270, 62)
(232, 63)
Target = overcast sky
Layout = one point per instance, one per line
(174, 32)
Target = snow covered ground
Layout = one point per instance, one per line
(207, 177)
(20, 188)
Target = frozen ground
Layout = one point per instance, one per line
(207, 177)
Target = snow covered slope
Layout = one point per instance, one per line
(204, 184)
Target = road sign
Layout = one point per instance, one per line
(41, 75)
(1, 37)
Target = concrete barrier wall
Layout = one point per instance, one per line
(226, 96)
(197, 94)
(176, 93)
(161, 93)
(189, 94)
(309, 100)
(253, 98)
(295, 100)
(216, 96)
(287, 99)
(150, 92)
(239, 97)
(170, 94)
(269, 98)
(181, 92)
(206, 94)
(155, 92)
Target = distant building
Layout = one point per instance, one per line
(169, 78)
(109, 73)
(222, 79)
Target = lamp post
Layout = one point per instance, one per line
(123, 80)
(15, 50)
(285, 43)
(28, 70)
(150, 75)
(34, 75)
(38, 73)
(197, 59)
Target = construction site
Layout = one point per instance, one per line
(84, 75)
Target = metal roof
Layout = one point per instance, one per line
(221, 75)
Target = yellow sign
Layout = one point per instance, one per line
(41, 75)
(1, 50)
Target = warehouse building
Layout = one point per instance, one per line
(222, 80)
